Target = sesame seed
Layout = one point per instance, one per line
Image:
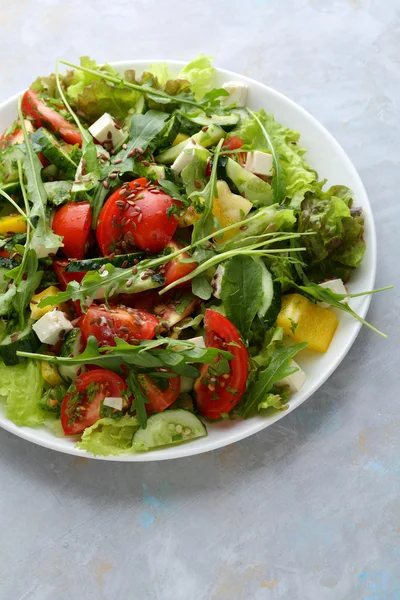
(146, 163)
(205, 128)
(134, 270)
(129, 283)
(109, 135)
(117, 161)
(124, 146)
(197, 184)
(14, 337)
(113, 176)
(105, 184)
(139, 150)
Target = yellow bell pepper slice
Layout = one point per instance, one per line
(305, 321)
(229, 208)
(12, 224)
(36, 312)
(50, 373)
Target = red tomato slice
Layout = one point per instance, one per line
(45, 116)
(218, 395)
(82, 403)
(232, 143)
(4, 253)
(64, 278)
(176, 269)
(137, 215)
(72, 221)
(128, 324)
(159, 399)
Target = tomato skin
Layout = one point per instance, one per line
(64, 278)
(143, 222)
(159, 399)
(128, 324)
(73, 221)
(78, 411)
(45, 116)
(4, 253)
(232, 143)
(175, 268)
(219, 332)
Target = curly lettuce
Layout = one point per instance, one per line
(109, 436)
(22, 405)
(200, 73)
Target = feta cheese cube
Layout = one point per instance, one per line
(113, 402)
(259, 163)
(186, 156)
(106, 129)
(43, 252)
(50, 327)
(295, 381)
(198, 341)
(237, 93)
(216, 281)
(334, 285)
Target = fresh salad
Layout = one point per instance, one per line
(165, 253)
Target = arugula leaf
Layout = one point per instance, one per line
(242, 291)
(172, 190)
(201, 287)
(204, 225)
(278, 368)
(139, 398)
(271, 339)
(317, 293)
(7, 300)
(43, 235)
(26, 287)
(278, 184)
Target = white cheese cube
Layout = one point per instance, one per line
(186, 156)
(106, 129)
(259, 163)
(50, 327)
(41, 251)
(237, 93)
(334, 285)
(198, 341)
(295, 381)
(113, 402)
(216, 281)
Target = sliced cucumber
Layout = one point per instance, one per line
(11, 188)
(269, 318)
(72, 345)
(227, 121)
(9, 163)
(92, 264)
(253, 188)
(267, 287)
(168, 427)
(50, 173)
(203, 138)
(51, 148)
(23, 341)
(140, 106)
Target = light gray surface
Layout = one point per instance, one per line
(308, 509)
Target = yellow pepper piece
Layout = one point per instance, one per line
(50, 373)
(36, 312)
(12, 224)
(189, 217)
(229, 208)
(181, 137)
(305, 321)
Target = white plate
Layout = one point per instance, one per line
(329, 159)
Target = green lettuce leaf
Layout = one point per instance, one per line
(200, 73)
(21, 388)
(109, 436)
(276, 401)
(161, 71)
(80, 79)
(101, 97)
(299, 178)
(338, 236)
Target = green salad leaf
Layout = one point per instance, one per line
(277, 369)
(200, 73)
(22, 406)
(242, 292)
(101, 97)
(109, 436)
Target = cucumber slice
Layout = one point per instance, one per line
(168, 427)
(203, 138)
(92, 264)
(253, 188)
(50, 173)
(58, 192)
(267, 287)
(11, 188)
(27, 341)
(51, 148)
(72, 345)
(227, 121)
(8, 163)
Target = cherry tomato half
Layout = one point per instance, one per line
(217, 395)
(137, 214)
(72, 221)
(232, 143)
(64, 278)
(160, 399)
(82, 403)
(45, 116)
(128, 324)
(176, 268)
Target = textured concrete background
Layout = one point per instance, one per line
(308, 509)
